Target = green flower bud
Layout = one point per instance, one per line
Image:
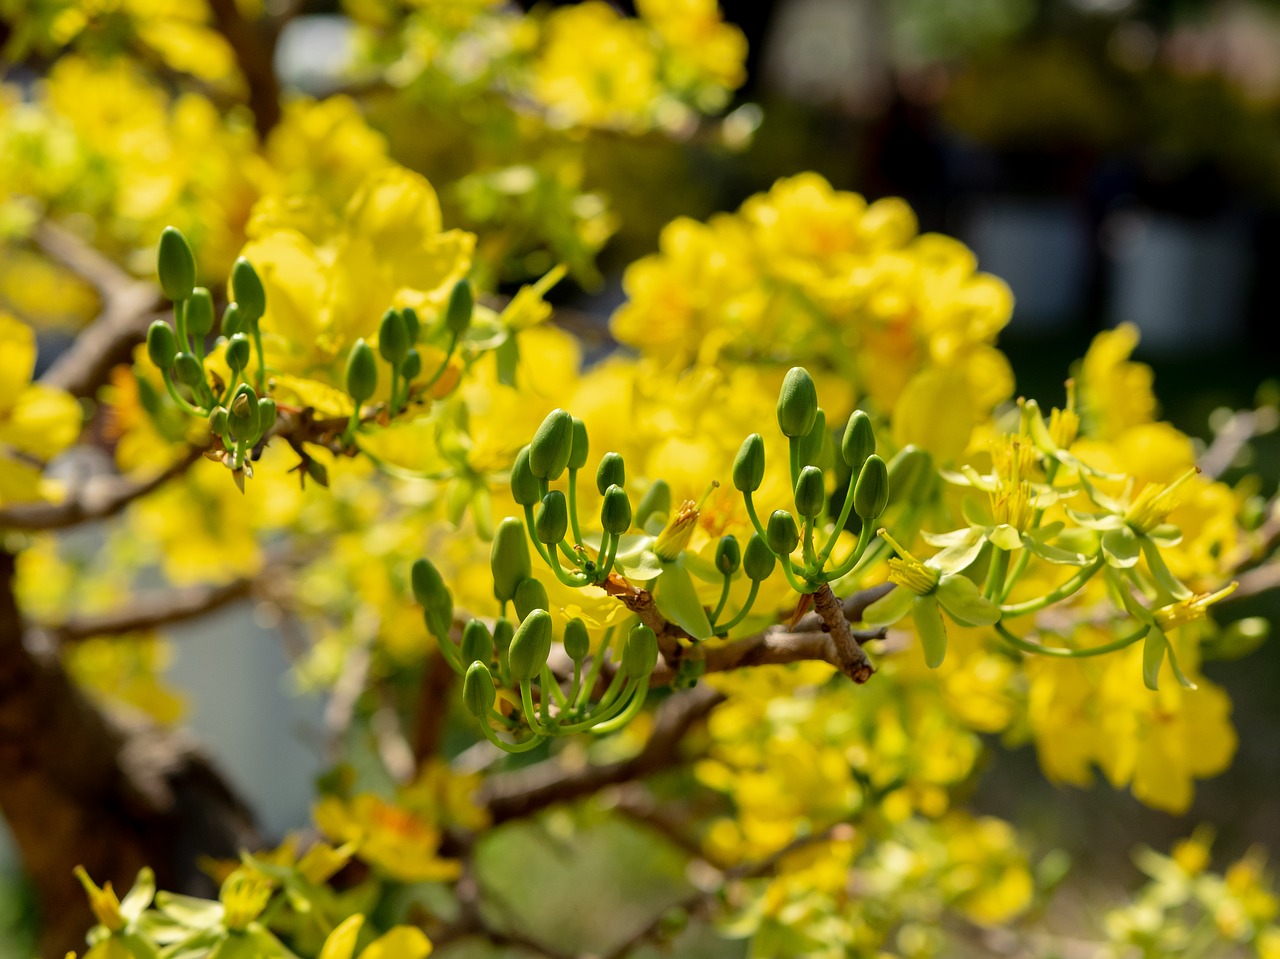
(502, 633)
(200, 313)
(640, 654)
(412, 365)
(477, 644)
(162, 345)
(188, 369)
(811, 492)
(812, 442)
(612, 472)
(238, 352)
(551, 519)
(247, 291)
(509, 558)
(412, 325)
(578, 451)
(176, 265)
(362, 372)
(524, 485)
(748, 466)
(266, 414)
(457, 315)
(218, 420)
(233, 321)
(530, 595)
(728, 555)
(434, 597)
(393, 338)
(911, 475)
(858, 442)
(615, 511)
(871, 494)
(552, 445)
(797, 403)
(242, 418)
(477, 690)
(758, 560)
(530, 646)
(783, 535)
(655, 502)
(576, 641)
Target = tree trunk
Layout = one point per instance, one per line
(80, 788)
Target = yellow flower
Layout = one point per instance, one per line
(596, 68)
(401, 942)
(36, 421)
(400, 843)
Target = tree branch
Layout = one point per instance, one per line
(128, 307)
(524, 792)
(147, 612)
(97, 498)
(254, 46)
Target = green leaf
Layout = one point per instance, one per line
(931, 630)
(641, 566)
(1153, 648)
(961, 598)
(678, 601)
(140, 896)
(1053, 554)
(889, 608)
(1098, 521)
(1121, 547)
(508, 358)
(960, 555)
(1006, 537)
(1160, 572)
(704, 569)
(191, 912)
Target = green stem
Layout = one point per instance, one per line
(628, 714)
(845, 510)
(573, 506)
(566, 578)
(723, 630)
(755, 520)
(602, 572)
(789, 570)
(1057, 594)
(448, 355)
(1062, 653)
(177, 398)
(853, 559)
(549, 682)
(996, 573)
(577, 682)
(180, 325)
(601, 715)
(724, 598)
(530, 714)
(793, 444)
(395, 382)
(812, 566)
(262, 356)
(518, 747)
(529, 526)
(597, 663)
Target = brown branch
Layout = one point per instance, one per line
(526, 791)
(438, 680)
(97, 498)
(150, 612)
(1260, 579)
(128, 307)
(1243, 426)
(254, 46)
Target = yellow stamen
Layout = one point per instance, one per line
(679, 529)
(1190, 610)
(909, 571)
(244, 895)
(1012, 505)
(1153, 505)
(1064, 425)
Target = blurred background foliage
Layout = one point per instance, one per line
(1112, 160)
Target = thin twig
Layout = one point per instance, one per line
(522, 793)
(146, 612)
(97, 498)
(128, 307)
